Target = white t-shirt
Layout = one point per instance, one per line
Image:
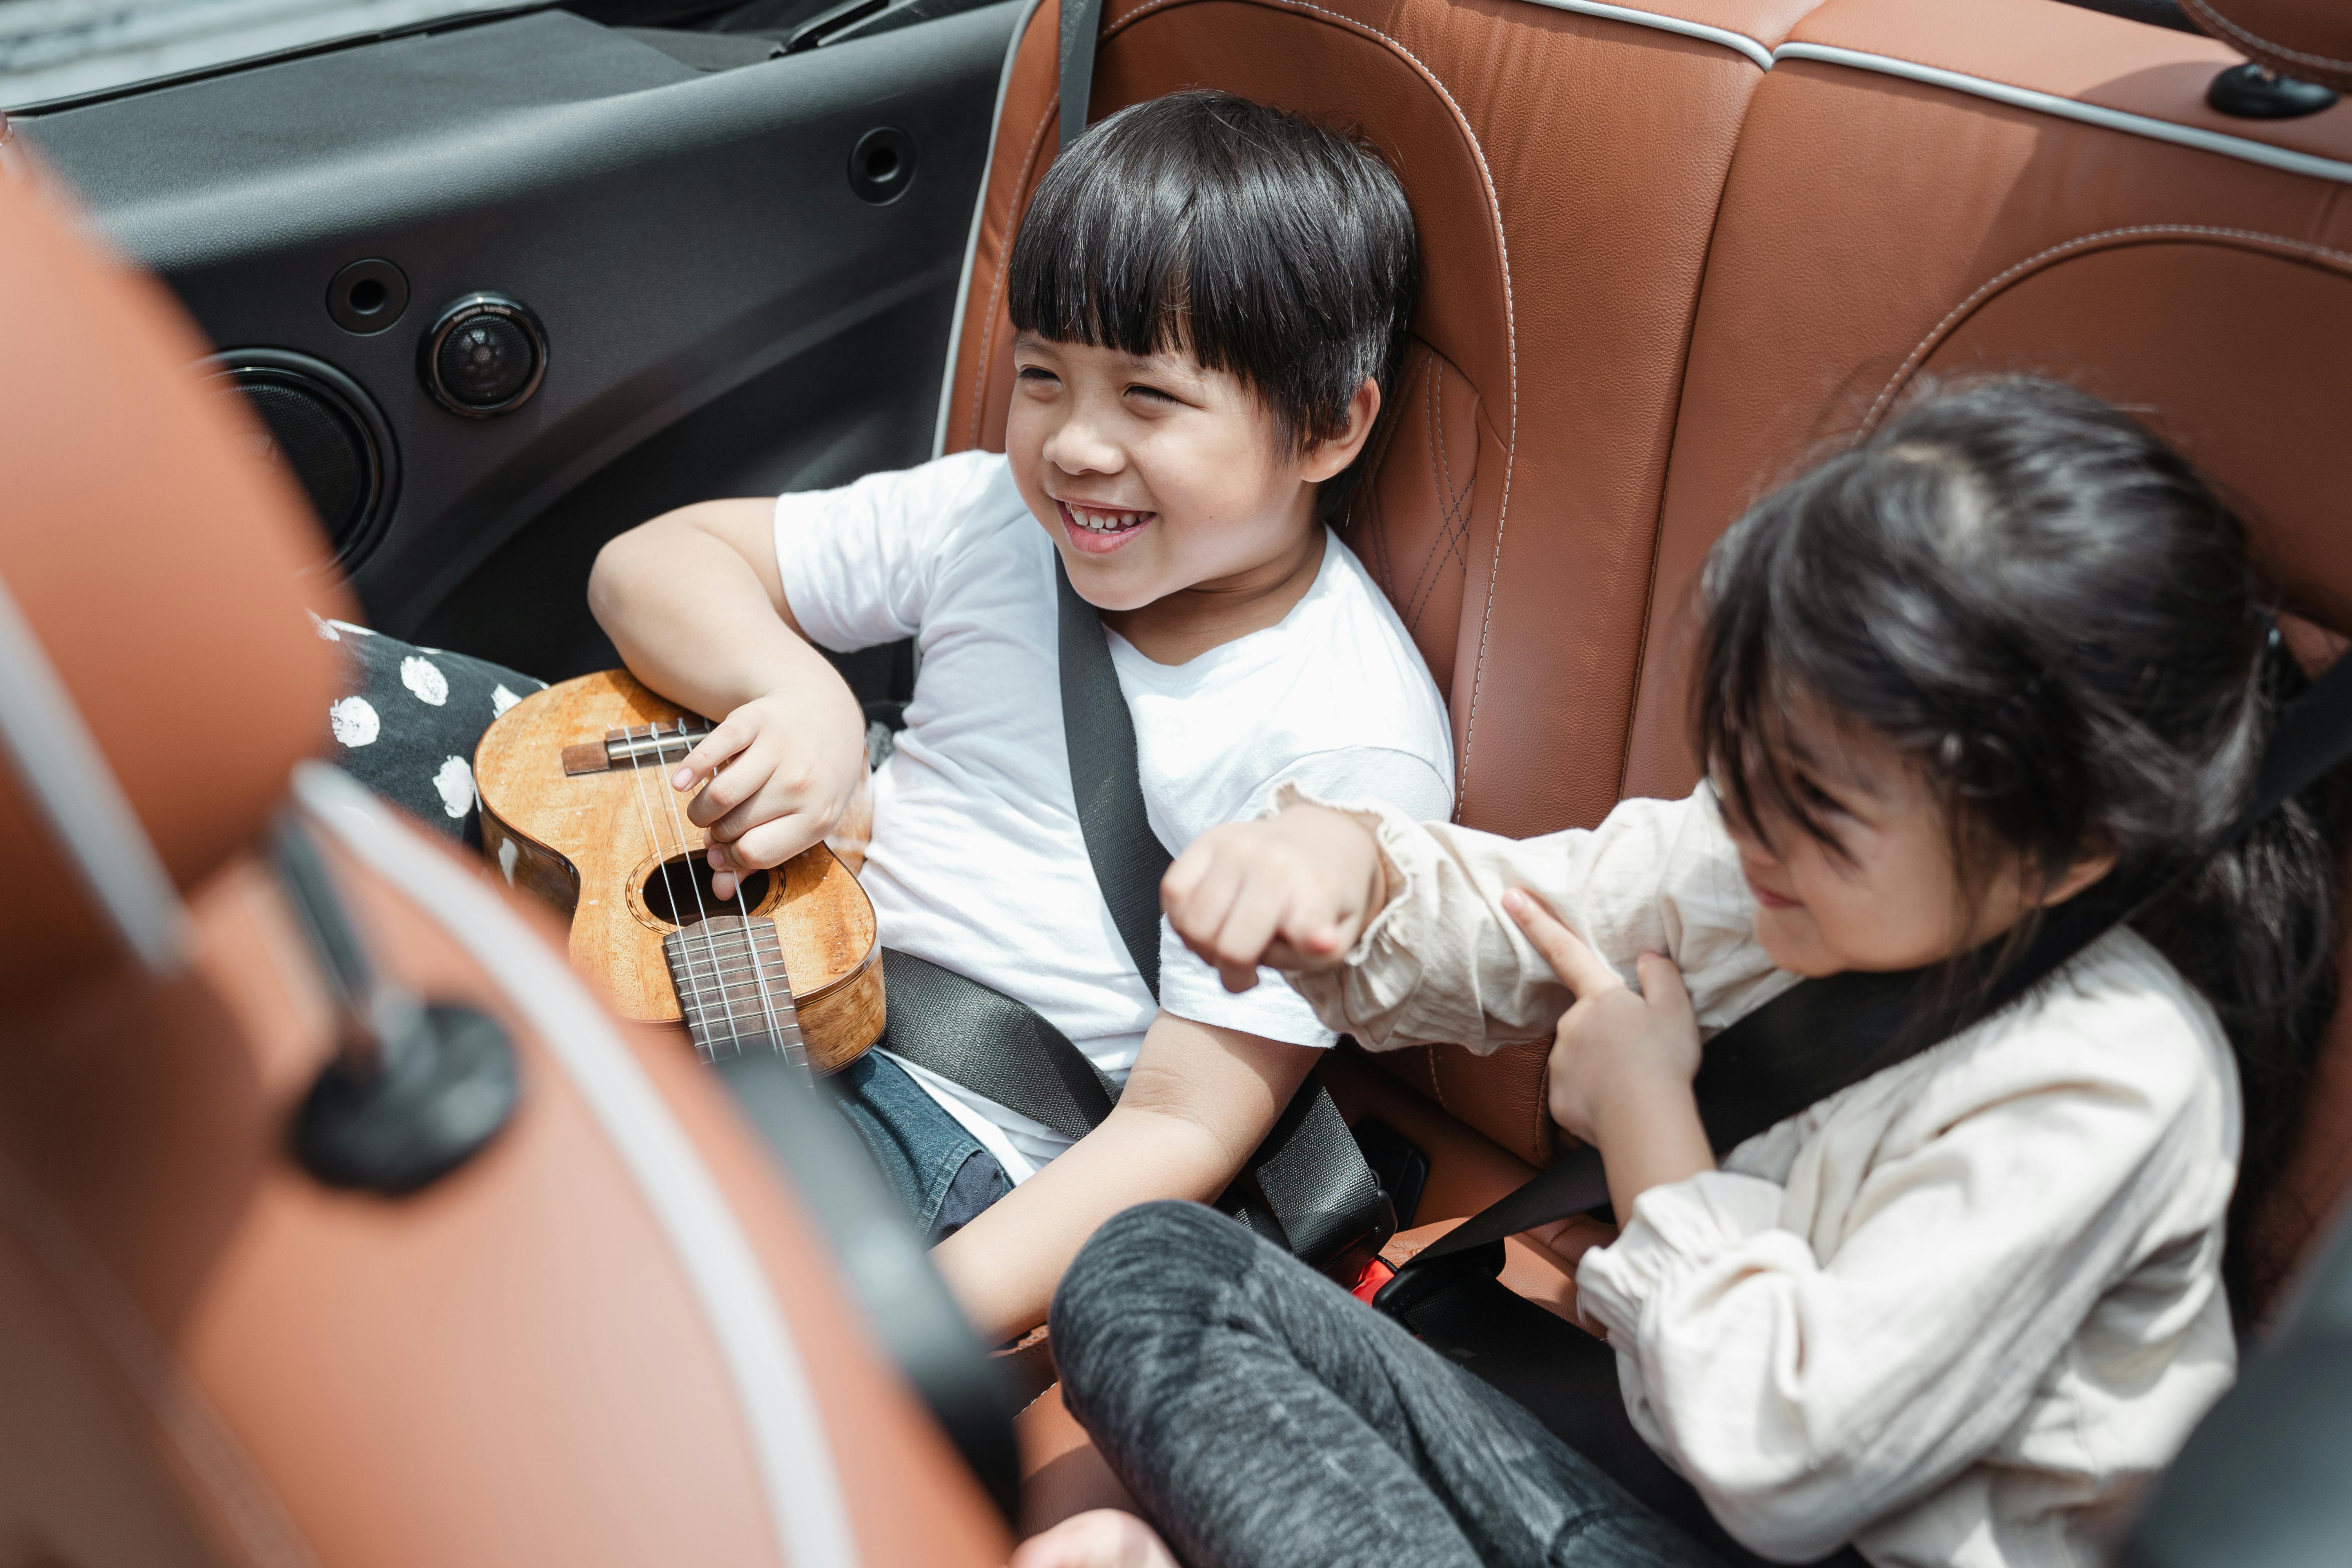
(978, 863)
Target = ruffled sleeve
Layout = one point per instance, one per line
(1442, 962)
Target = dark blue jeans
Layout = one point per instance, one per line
(1265, 1418)
(939, 1170)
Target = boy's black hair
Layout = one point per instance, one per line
(2054, 617)
(1268, 246)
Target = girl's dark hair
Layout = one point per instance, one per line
(1268, 246)
(2051, 615)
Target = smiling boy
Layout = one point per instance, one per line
(1212, 301)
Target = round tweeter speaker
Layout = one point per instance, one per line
(486, 354)
(323, 432)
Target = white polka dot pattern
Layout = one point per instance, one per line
(354, 722)
(455, 783)
(423, 677)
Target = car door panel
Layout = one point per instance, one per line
(723, 311)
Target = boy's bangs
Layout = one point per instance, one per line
(1121, 279)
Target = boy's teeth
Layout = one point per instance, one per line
(1105, 521)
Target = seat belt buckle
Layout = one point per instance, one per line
(1424, 1278)
(1368, 1284)
(1349, 1262)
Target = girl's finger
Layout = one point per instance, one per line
(1662, 984)
(1248, 931)
(1565, 950)
(1201, 915)
(731, 737)
(1185, 872)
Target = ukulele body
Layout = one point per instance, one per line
(595, 845)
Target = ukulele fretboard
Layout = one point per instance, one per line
(732, 987)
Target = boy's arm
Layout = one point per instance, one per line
(695, 603)
(1198, 1102)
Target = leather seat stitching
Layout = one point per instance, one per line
(1375, 526)
(2205, 13)
(1425, 582)
(996, 284)
(2080, 244)
(1510, 326)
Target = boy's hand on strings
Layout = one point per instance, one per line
(1293, 891)
(1100, 1538)
(1622, 1060)
(787, 766)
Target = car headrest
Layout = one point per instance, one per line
(2307, 39)
(148, 561)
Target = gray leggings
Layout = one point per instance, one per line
(1265, 1418)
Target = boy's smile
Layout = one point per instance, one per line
(1099, 529)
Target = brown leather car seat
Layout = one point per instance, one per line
(1564, 162)
(1937, 191)
(612, 1337)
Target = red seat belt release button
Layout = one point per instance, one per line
(1368, 1284)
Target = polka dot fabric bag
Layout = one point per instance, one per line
(409, 719)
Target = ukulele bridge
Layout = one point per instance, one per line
(729, 971)
(634, 747)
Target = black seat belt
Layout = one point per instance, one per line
(1811, 1041)
(1308, 1188)
(1081, 22)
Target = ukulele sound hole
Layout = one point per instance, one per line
(672, 892)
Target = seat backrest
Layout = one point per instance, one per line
(1564, 163)
(158, 568)
(613, 1336)
(1927, 191)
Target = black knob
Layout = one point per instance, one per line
(486, 354)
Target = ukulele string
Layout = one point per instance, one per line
(661, 858)
(701, 915)
(759, 964)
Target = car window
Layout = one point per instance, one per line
(53, 50)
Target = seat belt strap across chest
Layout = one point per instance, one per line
(1106, 784)
(1315, 1195)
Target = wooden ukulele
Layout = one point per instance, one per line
(577, 808)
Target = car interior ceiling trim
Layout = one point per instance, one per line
(73, 787)
(2237, 147)
(1739, 43)
(771, 1384)
(971, 242)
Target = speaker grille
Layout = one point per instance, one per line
(317, 427)
(318, 447)
(484, 362)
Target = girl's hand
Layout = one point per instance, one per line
(786, 765)
(1619, 1056)
(1293, 891)
(1105, 1538)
